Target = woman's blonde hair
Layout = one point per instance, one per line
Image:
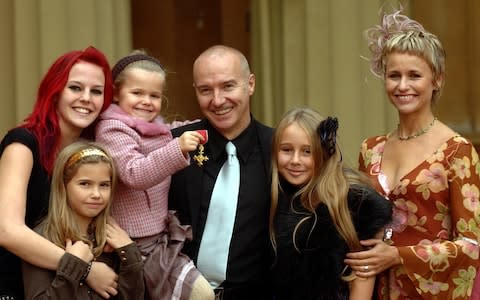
(399, 33)
(60, 223)
(329, 184)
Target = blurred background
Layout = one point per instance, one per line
(303, 53)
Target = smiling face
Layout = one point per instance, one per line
(81, 99)
(223, 86)
(294, 158)
(140, 93)
(409, 82)
(89, 191)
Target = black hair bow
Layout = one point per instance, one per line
(327, 131)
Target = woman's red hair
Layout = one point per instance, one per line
(43, 120)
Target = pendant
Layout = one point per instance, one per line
(200, 157)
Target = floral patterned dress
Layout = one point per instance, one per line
(435, 221)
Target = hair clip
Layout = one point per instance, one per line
(84, 153)
(327, 131)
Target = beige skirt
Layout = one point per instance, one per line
(169, 274)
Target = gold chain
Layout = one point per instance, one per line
(421, 132)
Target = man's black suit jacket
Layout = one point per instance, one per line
(190, 191)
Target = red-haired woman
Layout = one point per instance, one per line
(74, 91)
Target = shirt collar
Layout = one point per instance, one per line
(244, 143)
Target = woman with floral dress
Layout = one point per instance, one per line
(428, 171)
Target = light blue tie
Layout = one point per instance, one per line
(213, 253)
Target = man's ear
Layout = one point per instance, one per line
(251, 84)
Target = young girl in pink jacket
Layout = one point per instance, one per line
(146, 156)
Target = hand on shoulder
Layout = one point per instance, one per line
(116, 236)
(79, 249)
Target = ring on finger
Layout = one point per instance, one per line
(365, 268)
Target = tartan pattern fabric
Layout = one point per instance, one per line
(145, 164)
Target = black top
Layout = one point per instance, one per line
(38, 192)
(191, 188)
(314, 271)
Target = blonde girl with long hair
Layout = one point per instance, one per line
(78, 221)
(319, 210)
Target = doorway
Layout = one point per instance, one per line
(177, 31)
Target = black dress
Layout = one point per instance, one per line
(38, 191)
(314, 270)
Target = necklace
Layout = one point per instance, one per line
(421, 132)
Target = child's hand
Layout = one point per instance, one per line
(116, 236)
(189, 141)
(79, 249)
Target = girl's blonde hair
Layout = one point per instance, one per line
(60, 223)
(329, 184)
(137, 59)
